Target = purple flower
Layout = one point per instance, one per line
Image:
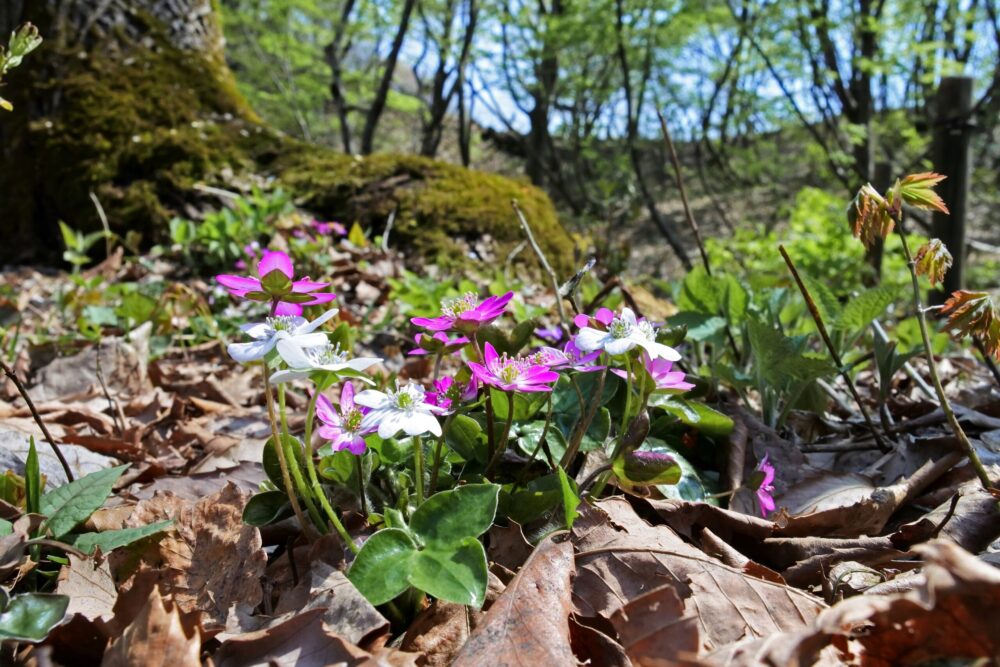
(439, 343)
(762, 484)
(665, 379)
(343, 428)
(512, 373)
(325, 228)
(465, 313)
(550, 334)
(603, 316)
(303, 292)
(447, 392)
(569, 358)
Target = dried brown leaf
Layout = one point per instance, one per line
(529, 623)
(156, 638)
(90, 586)
(621, 557)
(210, 560)
(654, 625)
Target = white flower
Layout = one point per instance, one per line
(623, 334)
(266, 334)
(303, 361)
(404, 409)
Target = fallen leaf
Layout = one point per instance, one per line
(210, 560)
(654, 626)
(90, 586)
(621, 557)
(156, 638)
(439, 632)
(529, 623)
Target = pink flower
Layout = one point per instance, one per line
(512, 373)
(325, 228)
(569, 358)
(290, 294)
(439, 343)
(465, 313)
(343, 428)
(447, 392)
(665, 379)
(550, 334)
(602, 316)
(763, 477)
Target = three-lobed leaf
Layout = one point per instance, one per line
(449, 517)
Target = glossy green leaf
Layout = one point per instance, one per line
(381, 570)
(526, 436)
(566, 399)
(31, 616)
(646, 468)
(527, 504)
(526, 406)
(113, 539)
(690, 486)
(451, 516)
(697, 415)
(456, 574)
(466, 438)
(266, 507)
(596, 433)
(570, 499)
(72, 503)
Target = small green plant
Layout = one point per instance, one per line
(78, 244)
(37, 539)
(22, 41)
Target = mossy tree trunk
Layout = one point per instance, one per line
(132, 100)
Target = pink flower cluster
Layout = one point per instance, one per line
(303, 292)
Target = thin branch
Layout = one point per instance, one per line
(12, 376)
(545, 262)
(680, 186)
(814, 311)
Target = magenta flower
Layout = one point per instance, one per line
(326, 228)
(665, 379)
(343, 428)
(276, 283)
(465, 313)
(763, 478)
(569, 358)
(512, 373)
(439, 343)
(447, 392)
(603, 316)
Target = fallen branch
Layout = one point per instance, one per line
(12, 376)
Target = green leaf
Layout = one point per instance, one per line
(646, 468)
(697, 415)
(68, 505)
(527, 436)
(569, 498)
(541, 495)
(566, 399)
(68, 235)
(6, 528)
(690, 485)
(466, 437)
(596, 433)
(113, 539)
(700, 293)
(700, 326)
(778, 360)
(266, 507)
(526, 406)
(456, 574)
(825, 300)
(31, 616)
(381, 570)
(449, 517)
(357, 236)
(861, 310)
(32, 480)
(276, 283)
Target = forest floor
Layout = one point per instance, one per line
(874, 556)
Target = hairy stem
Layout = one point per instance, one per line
(502, 447)
(289, 443)
(949, 413)
(418, 468)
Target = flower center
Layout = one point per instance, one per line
(510, 372)
(281, 322)
(407, 398)
(620, 328)
(326, 355)
(352, 420)
(458, 305)
(646, 330)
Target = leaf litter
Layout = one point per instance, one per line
(870, 559)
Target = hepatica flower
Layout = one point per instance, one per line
(465, 313)
(439, 343)
(403, 409)
(343, 427)
(761, 483)
(296, 330)
(622, 334)
(665, 379)
(447, 392)
(550, 334)
(570, 357)
(304, 361)
(512, 373)
(276, 283)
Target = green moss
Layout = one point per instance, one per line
(436, 203)
(141, 129)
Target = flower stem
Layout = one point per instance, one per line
(418, 468)
(438, 452)
(286, 478)
(956, 428)
(622, 430)
(360, 468)
(490, 420)
(334, 519)
(581, 426)
(498, 454)
(293, 461)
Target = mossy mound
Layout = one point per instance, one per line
(436, 203)
(141, 124)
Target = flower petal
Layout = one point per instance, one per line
(616, 346)
(293, 354)
(658, 350)
(309, 327)
(325, 411)
(243, 283)
(370, 398)
(247, 352)
(288, 375)
(419, 423)
(275, 261)
(285, 308)
(590, 339)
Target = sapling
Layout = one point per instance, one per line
(873, 217)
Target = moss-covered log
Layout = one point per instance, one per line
(138, 107)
